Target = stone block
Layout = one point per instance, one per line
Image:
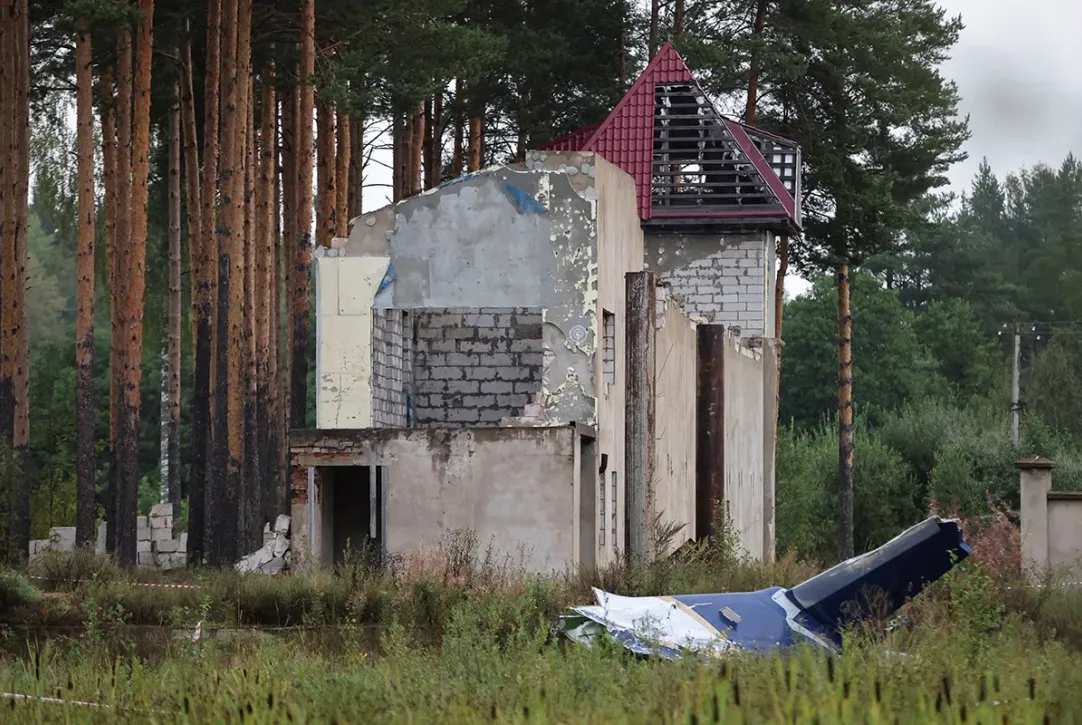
(161, 509)
(141, 522)
(281, 525)
(462, 415)
(145, 558)
(496, 387)
(161, 534)
(161, 522)
(62, 538)
(274, 566)
(167, 546)
(99, 544)
(142, 533)
(142, 546)
(281, 545)
(184, 541)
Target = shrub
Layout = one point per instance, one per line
(16, 591)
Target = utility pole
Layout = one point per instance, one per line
(1016, 359)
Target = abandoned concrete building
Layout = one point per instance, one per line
(561, 355)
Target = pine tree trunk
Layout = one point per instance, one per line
(263, 289)
(197, 263)
(202, 491)
(118, 292)
(341, 176)
(224, 480)
(110, 182)
(298, 401)
(460, 131)
(325, 162)
(290, 236)
(251, 507)
(172, 484)
(434, 171)
(356, 167)
(21, 519)
(238, 498)
(520, 145)
(399, 152)
(756, 64)
(134, 271)
(678, 19)
(476, 141)
(845, 416)
(193, 200)
(85, 509)
(655, 16)
(417, 150)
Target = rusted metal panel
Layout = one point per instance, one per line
(710, 450)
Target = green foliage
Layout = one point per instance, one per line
(15, 592)
(807, 469)
(890, 365)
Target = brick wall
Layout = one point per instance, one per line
(392, 359)
(726, 287)
(475, 366)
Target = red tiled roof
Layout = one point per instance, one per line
(626, 137)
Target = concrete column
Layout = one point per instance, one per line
(770, 435)
(298, 481)
(1035, 483)
(640, 447)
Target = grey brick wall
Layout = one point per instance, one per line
(726, 287)
(473, 367)
(392, 338)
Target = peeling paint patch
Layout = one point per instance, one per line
(522, 201)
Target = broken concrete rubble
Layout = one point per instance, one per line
(274, 556)
(815, 612)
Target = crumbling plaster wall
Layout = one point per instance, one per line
(514, 488)
(676, 379)
(503, 238)
(723, 279)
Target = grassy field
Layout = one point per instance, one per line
(457, 637)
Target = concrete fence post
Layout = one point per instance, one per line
(1035, 483)
(640, 444)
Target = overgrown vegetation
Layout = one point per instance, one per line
(458, 634)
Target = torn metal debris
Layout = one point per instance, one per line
(814, 612)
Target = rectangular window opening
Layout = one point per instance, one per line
(608, 347)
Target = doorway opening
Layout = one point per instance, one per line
(354, 509)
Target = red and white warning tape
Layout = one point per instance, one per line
(134, 584)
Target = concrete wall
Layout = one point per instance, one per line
(1051, 522)
(345, 289)
(517, 488)
(743, 445)
(475, 367)
(620, 250)
(724, 280)
(392, 367)
(675, 375)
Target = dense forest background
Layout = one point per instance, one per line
(939, 283)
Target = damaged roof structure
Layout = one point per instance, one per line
(558, 354)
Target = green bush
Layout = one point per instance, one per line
(15, 592)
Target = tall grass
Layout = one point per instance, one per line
(459, 635)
